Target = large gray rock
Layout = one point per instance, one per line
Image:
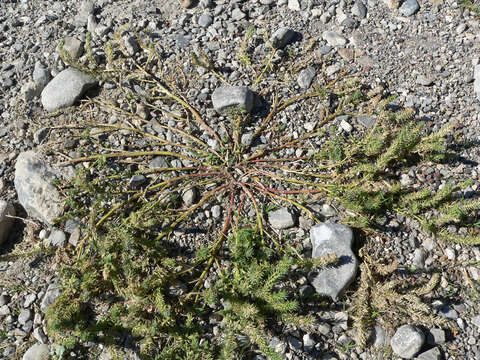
(329, 238)
(6, 210)
(225, 98)
(281, 219)
(66, 88)
(35, 189)
(407, 341)
(37, 352)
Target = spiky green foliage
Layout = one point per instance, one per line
(129, 258)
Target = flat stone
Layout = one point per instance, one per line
(308, 342)
(305, 77)
(432, 354)
(424, 80)
(35, 189)
(6, 222)
(281, 218)
(227, 98)
(409, 8)
(347, 54)
(331, 238)
(334, 39)
(282, 37)
(157, 162)
(37, 352)
(65, 89)
(407, 341)
(366, 121)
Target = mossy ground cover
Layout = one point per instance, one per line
(138, 278)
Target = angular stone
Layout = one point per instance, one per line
(294, 5)
(227, 98)
(41, 75)
(359, 9)
(24, 316)
(305, 77)
(330, 238)
(205, 20)
(432, 354)
(407, 341)
(281, 218)
(282, 37)
(379, 337)
(436, 336)
(6, 222)
(366, 121)
(66, 88)
(37, 352)
(73, 47)
(424, 80)
(52, 293)
(334, 39)
(35, 189)
(190, 197)
(409, 7)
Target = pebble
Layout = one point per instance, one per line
(282, 37)
(281, 218)
(294, 5)
(73, 47)
(227, 97)
(331, 238)
(305, 77)
(333, 38)
(407, 341)
(359, 9)
(57, 238)
(424, 80)
(41, 75)
(205, 20)
(190, 197)
(379, 337)
(419, 258)
(409, 8)
(65, 89)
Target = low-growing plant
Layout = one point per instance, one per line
(133, 276)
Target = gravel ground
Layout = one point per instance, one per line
(426, 57)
